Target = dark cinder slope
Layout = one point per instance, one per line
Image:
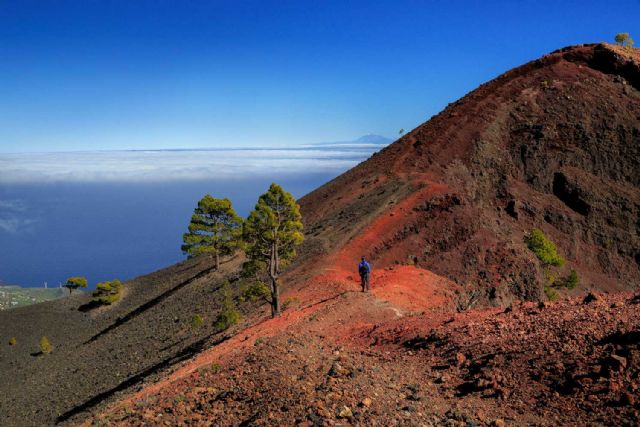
(103, 352)
(553, 144)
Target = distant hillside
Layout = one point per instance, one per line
(369, 139)
(16, 296)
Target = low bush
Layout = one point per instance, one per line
(551, 293)
(543, 248)
(229, 315)
(227, 318)
(13, 341)
(255, 291)
(45, 345)
(196, 322)
(107, 292)
(570, 282)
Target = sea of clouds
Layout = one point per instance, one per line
(174, 165)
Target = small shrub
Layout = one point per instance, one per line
(571, 281)
(196, 322)
(543, 248)
(229, 315)
(227, 319)
(551, 293)
(213, 368)
(13, 341)
(259, 341)
(258, 290)
(45, 345)
(107, 292)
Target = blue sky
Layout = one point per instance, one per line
(101, 75)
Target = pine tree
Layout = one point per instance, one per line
(272, 231)
(107, 292)
(621, 38)
(74, 283)
(215, 228)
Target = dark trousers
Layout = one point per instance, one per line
(364, 278)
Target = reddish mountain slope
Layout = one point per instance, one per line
(553, 144)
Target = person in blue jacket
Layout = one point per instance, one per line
(364, 269)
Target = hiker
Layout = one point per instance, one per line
(364, 269)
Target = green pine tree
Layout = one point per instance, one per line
(107, 292)
(272, 232)
(74, 283)
(621, 38)
(544, 248)
(215, 229)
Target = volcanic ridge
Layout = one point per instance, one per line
(456, 330)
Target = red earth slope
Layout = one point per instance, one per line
(553, 144)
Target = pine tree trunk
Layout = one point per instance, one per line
(273, 274)
(217, 261)
(275, 298)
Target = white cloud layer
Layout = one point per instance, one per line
(172, 165)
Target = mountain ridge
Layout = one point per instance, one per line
(482, 148)
(444, 336)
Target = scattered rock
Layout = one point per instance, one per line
(544, 304)
(591, 297)
(345, 412)
(627, 399)
(337, 370)
(617, 363)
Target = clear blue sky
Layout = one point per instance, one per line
(112, 74)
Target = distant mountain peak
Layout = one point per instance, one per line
(373, 139)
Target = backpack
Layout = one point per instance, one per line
(362, 269)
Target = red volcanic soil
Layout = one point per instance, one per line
(455, 330)
(553, 144)
(359, 359)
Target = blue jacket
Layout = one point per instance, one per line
(364, 268)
